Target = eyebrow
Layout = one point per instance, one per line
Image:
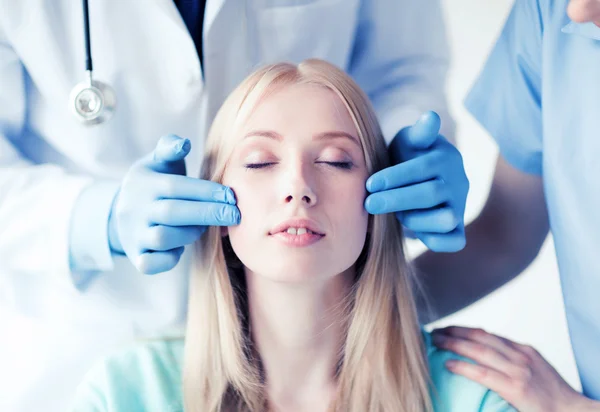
(271, 134)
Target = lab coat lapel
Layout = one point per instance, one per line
(213, 7)
(169, 9)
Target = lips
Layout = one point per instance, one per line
(297, 223)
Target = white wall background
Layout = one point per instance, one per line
(529, 309)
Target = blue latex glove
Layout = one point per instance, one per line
(158, 209)
(427, 186)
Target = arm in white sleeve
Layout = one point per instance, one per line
(44, 218)
(90, 251)
(401, 59)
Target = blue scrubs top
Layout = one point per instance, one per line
(147, 378)
(539, 97)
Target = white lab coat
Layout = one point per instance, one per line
(52, 331)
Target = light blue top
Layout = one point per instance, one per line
(539, 97)
(148, 378)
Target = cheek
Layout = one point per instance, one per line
(349, 197)
(352, 193)
(350, 220)
(251, 200)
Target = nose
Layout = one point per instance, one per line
(299, 188)
(307, 197)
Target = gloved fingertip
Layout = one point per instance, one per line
(224, 194)
(431, 118)
(237, 217)
(374, 204)
(228, 215)
(171, 148)
(230, 196)
(369, 184)
(182, 146)
(366, 205)
(375, 184)
(425, 131)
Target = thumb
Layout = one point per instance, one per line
(171, 148)
(169, 154)
(424, 132)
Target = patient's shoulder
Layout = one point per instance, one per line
(142, 377)
(455, 393)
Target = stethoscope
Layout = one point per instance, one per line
(92, 101)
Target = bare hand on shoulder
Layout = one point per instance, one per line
(516, 372)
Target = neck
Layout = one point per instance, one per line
(298, 329)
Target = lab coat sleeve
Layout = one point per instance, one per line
(90, 251)
(506, 98)
(401, 59)
(37, 201)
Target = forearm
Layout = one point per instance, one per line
(501, 242)
(452, 281)
(588, 405)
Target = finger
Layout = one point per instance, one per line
(491, 379)
(582, 11)
(171, 212)
(419, 169)
(191, 188)
(482, 354)
(161, 238)
(444, 242)
(436, 220)
(424, 132)
(171, 148)
(420, 196)
(481, 336)
(168, 155)
(151, 263)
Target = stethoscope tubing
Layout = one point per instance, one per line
(86, 33)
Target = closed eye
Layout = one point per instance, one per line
(258, 165)
(339, 165)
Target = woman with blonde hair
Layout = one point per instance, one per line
(308, 304)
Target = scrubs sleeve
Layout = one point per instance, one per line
(506, 98)
(400, 59)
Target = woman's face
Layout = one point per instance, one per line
(299, 174)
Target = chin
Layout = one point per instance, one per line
(287, 273)
(297, 275)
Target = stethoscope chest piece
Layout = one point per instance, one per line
(93, 102)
